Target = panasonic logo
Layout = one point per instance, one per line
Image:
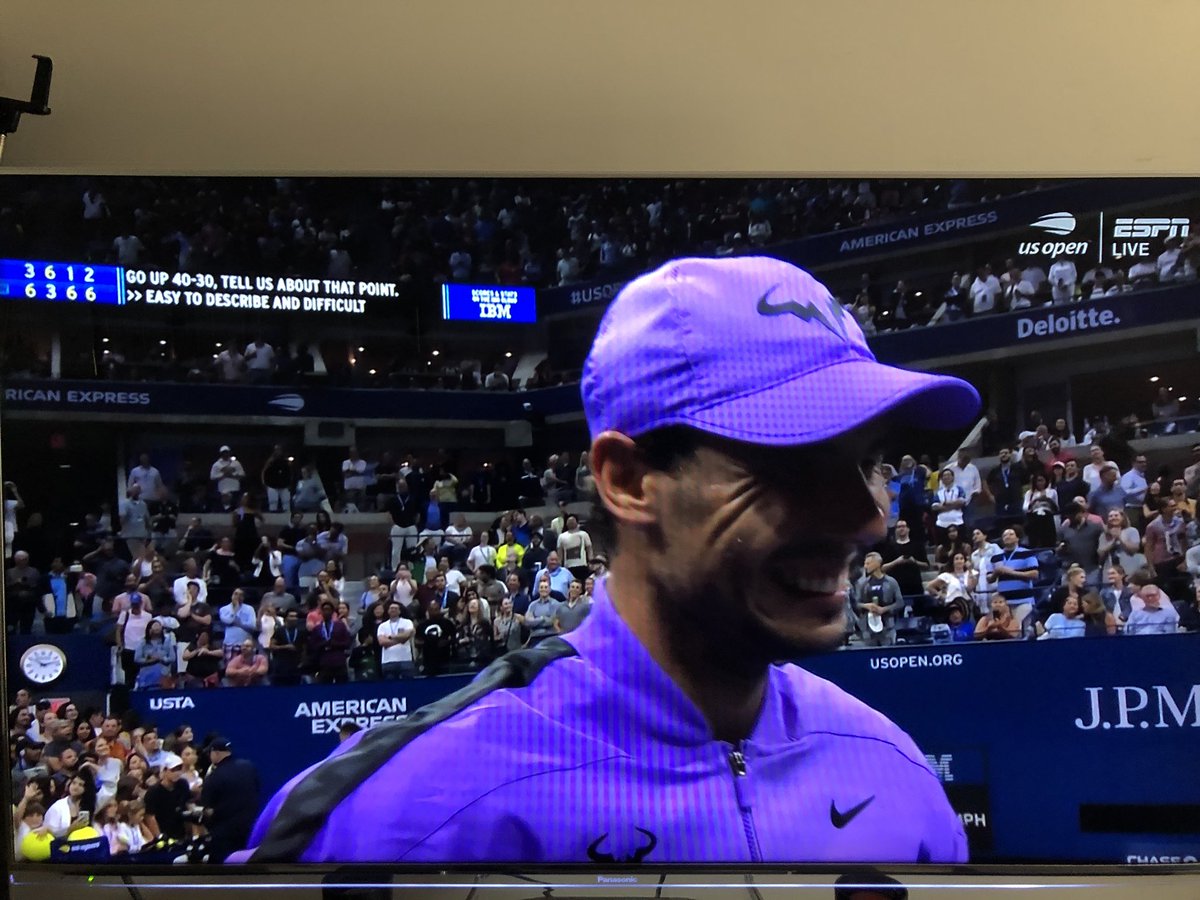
(1055, 223)
(290, 402)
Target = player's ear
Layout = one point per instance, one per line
(623, 479)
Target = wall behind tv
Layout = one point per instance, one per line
(453, 86)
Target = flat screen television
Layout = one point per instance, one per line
(481, 525)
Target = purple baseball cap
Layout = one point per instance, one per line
(752, 349)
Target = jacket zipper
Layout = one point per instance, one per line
(742, 788)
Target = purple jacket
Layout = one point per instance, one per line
(584, 750)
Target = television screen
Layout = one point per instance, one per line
(492, 524)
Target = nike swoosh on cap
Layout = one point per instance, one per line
(804, 310)
(840, 819)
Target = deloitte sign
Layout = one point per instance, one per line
(1056, 323)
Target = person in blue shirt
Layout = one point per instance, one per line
(240, 621)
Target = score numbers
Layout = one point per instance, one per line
(63, 282)
(50, 288)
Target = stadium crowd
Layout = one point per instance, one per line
(186, 606)
(80, 774)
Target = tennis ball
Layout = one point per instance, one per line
(36, 847)
(86, 833)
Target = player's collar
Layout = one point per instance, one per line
(654, 704)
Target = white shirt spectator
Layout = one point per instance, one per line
(1091, 474)
(129, 249)
(967, 478)
(454, 580)
(230, 364)
(1166, 262)
(1020, 295)
(984, 292)
(228, 475)
(1035, 275)
(179, 587)
(496, 381)
(1191, 560)
(149, 479)
(759, 232)
(461, 536)
(354, 474)
(398, 628)
(1143, 272)
(94, 206)
(259, 358)
(948, 517)
(1063, 277)
(481, 556)
(460, 265)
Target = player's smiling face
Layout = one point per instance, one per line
(763, 537)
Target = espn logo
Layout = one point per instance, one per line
(1151, 227)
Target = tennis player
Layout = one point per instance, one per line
(735, 411)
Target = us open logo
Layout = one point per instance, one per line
(288, 402)
(1060, 223)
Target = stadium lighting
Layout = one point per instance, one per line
(218, 344)
(162, 343)
(435, 353)
(104, 340)
(371, 372)
(1181, 398)
(362, 349)
(508, 355)
(214, 356)
(1153, 379)
(291, 459)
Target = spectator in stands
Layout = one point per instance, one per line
(952, 543)
(1185, 504)
(1109, 495)
(1014, 572)
(288, 644)
(497, 380)
(539, 617)
(1018, 293)
(276, 477)
(1041, 507)
(999, 624)
(1156, 616)
(437, 638)
(131, 628)
(985, 291)
(1071, 486)
(259, 360)
(203, 661)
(1079, 542)
(230, 363)
(574, 548)
(1165, 542)
(74, 810)
(1116, 594)
(1063, 277)
(1143, 274)
(983, 550)
(1091, 472)
(1097, 620)
(227, 473)
(1120, 544)
(167, 801)
(395, 637)
(329, 645)
(877, 601)
(148, 479)
(1004, 486)
(354, 481)
(279, 597)
(570, 615)
(529, 485)
(1066, 624)
(948, 503)
(333, 544)
(248, 667)
(483, 554)
(155, 658)
(310, 493)
(509, 549)
(240, 622)
(1134, 484)
(221, 571)
(404, 510)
